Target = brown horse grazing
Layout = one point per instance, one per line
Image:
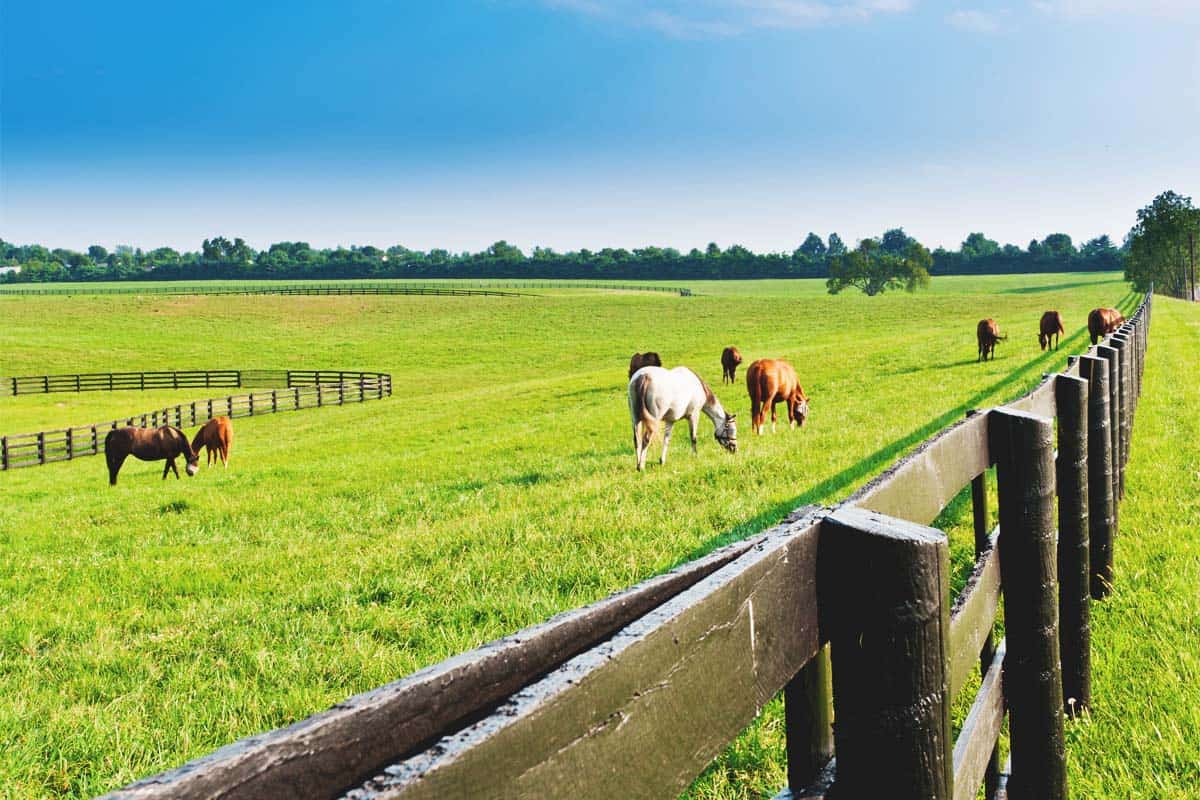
(217, 436)
(1103, 321)
(987, 332)
(772, 381)
(148, 444)
(640, 360)
(730, 358)
(1050, 327)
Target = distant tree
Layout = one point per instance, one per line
(976, 245)
(873, 270)
(836, 246)
(98, 254)
(1058, 245)
(813, 249)
(895, 242)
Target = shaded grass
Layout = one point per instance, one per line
(349, 546)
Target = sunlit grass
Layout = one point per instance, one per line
(346, 547)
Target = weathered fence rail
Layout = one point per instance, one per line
(846, 610)
(489, 289)
(300, 389)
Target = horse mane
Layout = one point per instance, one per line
(709, 397)
(187, 445)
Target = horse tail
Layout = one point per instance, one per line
(639, 407)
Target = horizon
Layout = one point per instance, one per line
(574, 124)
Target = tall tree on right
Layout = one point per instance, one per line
(1162, 244)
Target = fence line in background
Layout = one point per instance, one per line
(304, 389)
(845, 610)
(461, 289)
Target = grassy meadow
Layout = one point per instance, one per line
(152, 622)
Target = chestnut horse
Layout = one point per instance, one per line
(217, 436)
(1050, 327)
(149, 444)
(987, 333)
(730, 358)
(671, 395)
(640, 360)
(772, 381)
(1103, 321)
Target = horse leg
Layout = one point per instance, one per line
(773, 404)
(170, 466)
(641, 443)
(666, 441)
(693, 423)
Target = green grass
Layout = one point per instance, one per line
(151, 623)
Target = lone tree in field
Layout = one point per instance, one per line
(875, 266)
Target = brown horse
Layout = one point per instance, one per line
(640, 360)
(1050, 327)
(1103, 321)
(217, 436)
(148, 444)
(987, 333)
(730, 358)
(772, 381)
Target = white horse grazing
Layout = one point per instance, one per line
(671, 395)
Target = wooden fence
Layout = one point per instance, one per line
(304, 389)
(845, 610)
(488, 289)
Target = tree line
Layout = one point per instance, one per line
(816, 257)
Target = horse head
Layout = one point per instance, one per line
(186, 450)
(800, 407)
(726, 434)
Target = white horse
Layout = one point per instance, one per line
(671, 395)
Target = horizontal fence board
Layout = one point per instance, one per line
(324, 754)
(974, 616)
(1040, 401)
(922, 484)
(659, 700)
(980, 731)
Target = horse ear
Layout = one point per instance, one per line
(730, 417)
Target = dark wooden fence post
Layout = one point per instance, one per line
(884, 587)
(1074, 564)
(1023, 447)
(983, 541)
(808, 710)
(1114, 427)
(1101, 518)
(1122, 344)
(4, 452)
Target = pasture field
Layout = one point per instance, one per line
(345, 547)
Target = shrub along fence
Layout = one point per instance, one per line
(304, 389)
(845, 610)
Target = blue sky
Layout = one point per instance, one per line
(591, 123)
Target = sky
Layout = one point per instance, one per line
(591, 123)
